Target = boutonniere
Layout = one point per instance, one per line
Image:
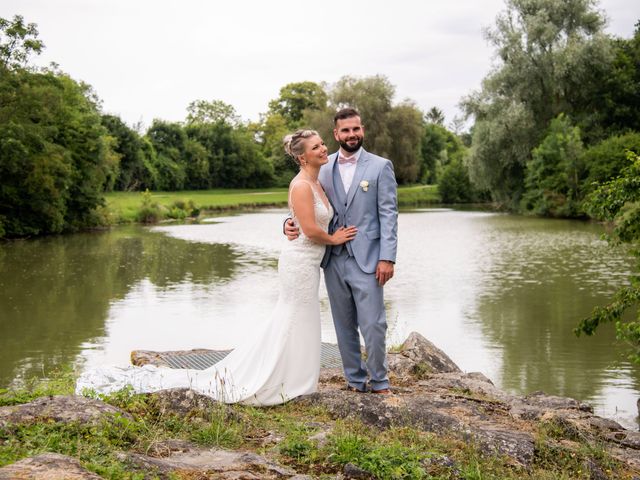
(364, 185)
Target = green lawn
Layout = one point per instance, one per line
(125, 206)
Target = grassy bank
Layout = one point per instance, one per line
(393, 453)
(128, 207)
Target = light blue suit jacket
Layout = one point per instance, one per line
(373, 209)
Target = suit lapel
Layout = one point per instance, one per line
(361, 167)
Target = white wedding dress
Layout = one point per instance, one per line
(280, 361)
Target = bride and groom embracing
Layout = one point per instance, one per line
(344, 219)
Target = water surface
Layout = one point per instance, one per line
(498, 293)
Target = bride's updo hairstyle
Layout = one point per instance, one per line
(294, 143)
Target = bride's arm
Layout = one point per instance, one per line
(302, 202)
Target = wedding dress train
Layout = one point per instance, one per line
(280, 361)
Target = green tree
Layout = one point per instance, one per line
(18, 41)
(295, 98)
(605, 160)
(202, 111)
(454, 185)
(197, 165)
(618, 202)
(221, 151)
(132, 172)
(432, 150)
(439, 148)
(555, 173)
(272, 131)
(550, 54)
(55, 156)
(406, 129)
(435, 115)
(169, 144)
(614, 107)
(234, 158)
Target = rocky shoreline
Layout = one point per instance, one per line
(431, 394)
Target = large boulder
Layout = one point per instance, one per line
(417, 356)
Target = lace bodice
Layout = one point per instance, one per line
(300, 258)
(323, 215)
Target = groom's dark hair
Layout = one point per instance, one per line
(345, 113)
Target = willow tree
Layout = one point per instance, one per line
(547, 52)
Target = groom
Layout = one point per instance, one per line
(362, 190)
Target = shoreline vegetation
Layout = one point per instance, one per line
(154, 207)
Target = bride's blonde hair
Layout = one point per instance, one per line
(294, 143)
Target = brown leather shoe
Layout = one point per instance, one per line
(354, 389)
(383, 391)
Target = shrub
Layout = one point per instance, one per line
(454, 185)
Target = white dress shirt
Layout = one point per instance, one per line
(348, 170)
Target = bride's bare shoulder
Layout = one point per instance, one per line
(300, 185)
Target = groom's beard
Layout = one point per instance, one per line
(351, 148)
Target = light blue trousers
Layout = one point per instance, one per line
(357, 303)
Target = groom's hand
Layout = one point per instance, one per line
(384, 272)
(290, 230)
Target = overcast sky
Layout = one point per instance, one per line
(149, 59)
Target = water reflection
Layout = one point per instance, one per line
(538, 280)
(56, 292)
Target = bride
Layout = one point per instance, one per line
(282, 359)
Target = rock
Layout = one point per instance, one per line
(62, 409)
(442, 461)
(320, 439)
(332, 375)
(552, 402)
(479, 376)
(166, 448)
(595, 471)
(182, 401)
(517, 445)
(419, 357)
(625, 438)
(353, 471)
(47, 466)
(605, 424)
(467, 385)
(197, 462)
(458, 417)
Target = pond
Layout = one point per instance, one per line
(498, 293)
